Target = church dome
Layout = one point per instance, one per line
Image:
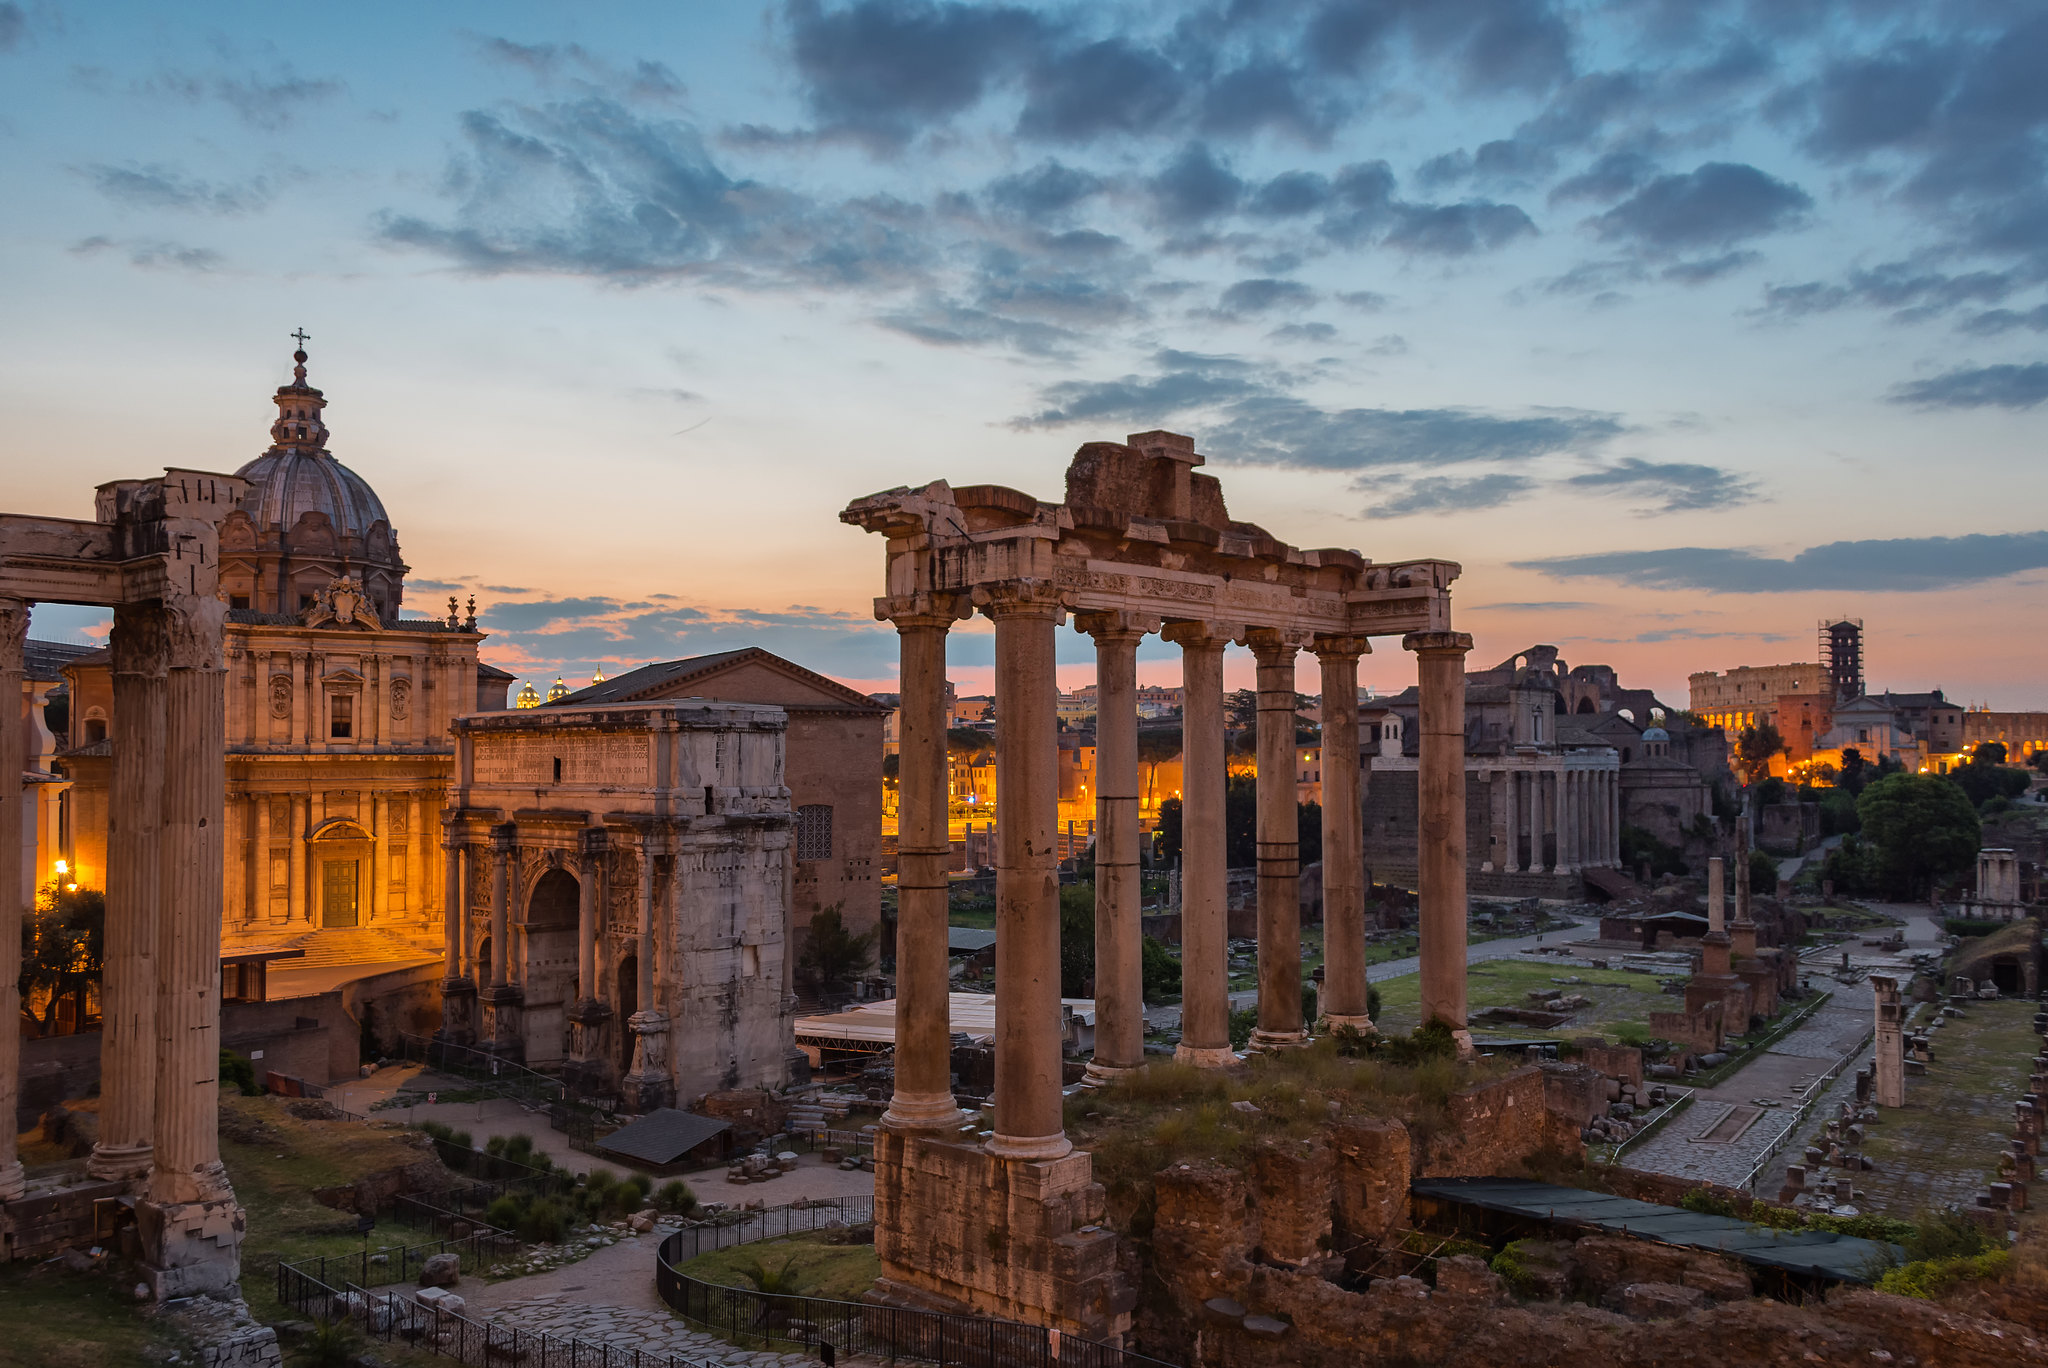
(1656, 734)
(307, 519)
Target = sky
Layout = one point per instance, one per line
(1681, 324)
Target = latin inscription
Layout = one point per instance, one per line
(597, 760)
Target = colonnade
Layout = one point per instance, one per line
(1556, 819)
(254, 836)
(1028, 1066)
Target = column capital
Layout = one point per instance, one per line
(1437, 643)
(1019, 598)
(504, 839)
(591, 844)
(911, 612)
(1326, 644)
(1115, 625)
(1270, 643)
(13, 630)
(1197, 633)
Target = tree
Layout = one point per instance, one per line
(1987, 777)
(1161, 972)
(1763, 873)
(1855, 771)
(1754, 748)
(63, 949)
(832, 954)
(1989, 753)
(1077, 940)
(1924, 829)
(969, 741)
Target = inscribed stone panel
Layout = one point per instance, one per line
(600, 760)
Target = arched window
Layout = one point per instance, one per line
(814, 831)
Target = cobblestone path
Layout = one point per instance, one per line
(572, 1314)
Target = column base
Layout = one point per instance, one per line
(924, 1114)
(1205, 1058)
(117, 1163)
(1265, 1042)
(1361, 1023)
(1102, 1075)
(504, 1020)
(458, 1012)
(1466, 1049)
(192, 1246)
(648, 1087)
(1035, 1149)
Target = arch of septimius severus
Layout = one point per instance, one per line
(152, 555)
(1141, 543)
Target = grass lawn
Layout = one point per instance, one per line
(840, 1272)
(58, 1319)
(1622, 1001)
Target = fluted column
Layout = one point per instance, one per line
(1028, 1123)
(589, 858)
(259, 909)
(380, 857)
(1533, 781)
(1279, 846)
(1568, 820)
(923, 1096)
(1511, 781)
(1440, 660)
(1344, 998)
(648, 1085)
(1204, 944)
(128, 989)
(1119, 933)
(235, 870)
(187, 1157)
(501, 897)
(13, 759)
(298, 903)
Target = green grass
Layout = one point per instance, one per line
(1622, 1001)
(59, 1319)
(837, 1272)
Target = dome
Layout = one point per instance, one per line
(287, 483)
(1656, 734)
(528, 696)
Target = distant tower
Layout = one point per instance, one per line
(528, 696)
(1841, 656)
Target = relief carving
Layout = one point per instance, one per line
(401, 699)
(280, 696)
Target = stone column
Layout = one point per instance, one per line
(1440, 658)
(128, 990)
(1535, 821)
(259, 909)
(190, 1224)
(1119, 934)
(648, 1087)
(298, 904)
(503, 999)
(589, 1014)
(1890, 1045)
(13, 759)
(1204, 942)
(1743, 932)
(1714, 958)
(458, 989)
(301, 701)
(1344, 981)
(1279, 847)
(923, 1096)
(1028, 1122)
(380, 856)
(235, 869)
(1610, 818)
(1576, 809)
(1511, 783)
(1717, 895)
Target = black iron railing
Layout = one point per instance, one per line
(792, 1322)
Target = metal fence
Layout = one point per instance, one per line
(325, 1290)
(808, 1324)
(776, 1223)
(488, 1071)
(1817, 1090)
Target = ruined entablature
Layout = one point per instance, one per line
(1141, 531)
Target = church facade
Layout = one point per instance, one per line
(339, 758)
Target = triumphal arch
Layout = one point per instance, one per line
(152, 555)
(1142, 542)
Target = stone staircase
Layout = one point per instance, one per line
(353, 945)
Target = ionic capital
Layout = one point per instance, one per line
(1353, 646)
(1437, 643)
(1116, 625)
(1195, 634)
(1019, 598)
(1275, 645)
(914, 612)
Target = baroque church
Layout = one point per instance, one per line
(338, 709)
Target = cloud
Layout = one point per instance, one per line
(626, 636)
(1250, 298)
(270, 103)
(1914, 290)
(1318, 333)
(1547, 606)
(13, 26)
(1715, 205)
(1048, 190)
(1609, 178)
(1992, 322)
(154, 254)
(542, 612)
(160, 187)
(1100, 88)
(1446, 494)
(1709, 269)
(2013, 387)
(1193, 188)
(1904, 565)
(548, 62)
(1674, 487)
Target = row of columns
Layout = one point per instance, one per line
(1570, 819)
(160, 991)
(386, 691)
(1028, 1122)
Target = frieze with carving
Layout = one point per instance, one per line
(280, 696)
(401, 699)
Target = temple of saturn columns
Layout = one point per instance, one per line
(151, 554)
(1141, 543)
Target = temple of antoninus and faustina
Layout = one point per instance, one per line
(1141, 543)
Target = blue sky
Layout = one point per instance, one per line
(1680, 325)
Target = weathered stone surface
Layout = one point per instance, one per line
(1290, 1182)
(441, 1270)
(1657, 1301)
(1462, 1275)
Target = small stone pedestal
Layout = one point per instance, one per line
(458, 1012)
(648, 1087)
(961, 1230)
(589, 1068)
(504, 1009)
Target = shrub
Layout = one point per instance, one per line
(1929, 1278)
(675, 1196)
(641, 1185)
(506, 1212)
(1161, 972)
(332, 1344)
(1242, 1024)
(544, 1222)
(238, 1072)
(1708, 1204)
(1945, 1235)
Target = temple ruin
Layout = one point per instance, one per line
(152, 555)
(1141, 543)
